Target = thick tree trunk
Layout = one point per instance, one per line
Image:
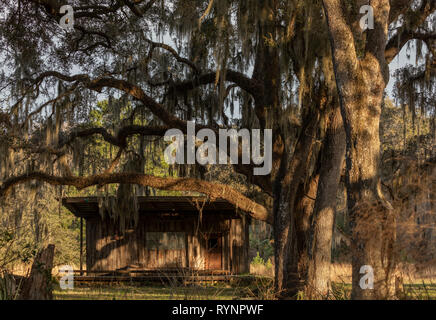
(300, 243)
(361, 83)
(332, 158)
(281, 232)
(371, 220)
(286, 223)
(267, 72)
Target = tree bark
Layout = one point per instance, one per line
(287, 233)
(361, 84)
(300, 240)
(332, 158)
(38, 286)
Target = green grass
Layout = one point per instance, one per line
(341, 291)
(125, 292)
(242, 288)
(420, 291)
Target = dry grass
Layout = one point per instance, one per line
(262, 270)
(341, 272)
(416, 283)
(126, 292)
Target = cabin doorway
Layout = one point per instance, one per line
(214, 251)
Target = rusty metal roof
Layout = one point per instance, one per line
(87, 207)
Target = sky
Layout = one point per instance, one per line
(399, 62)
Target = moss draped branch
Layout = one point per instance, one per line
(120, 140)
(158, 109)
(213, 190)
(414, 21)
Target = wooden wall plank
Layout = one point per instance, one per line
(109, 249)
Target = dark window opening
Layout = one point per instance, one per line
(212, 243)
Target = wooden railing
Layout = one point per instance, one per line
(152, 275)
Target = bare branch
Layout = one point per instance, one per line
(174, 53)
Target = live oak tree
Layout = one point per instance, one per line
(225, 64)
(361, 63)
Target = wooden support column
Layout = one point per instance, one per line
(81, 246)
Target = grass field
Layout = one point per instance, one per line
(417, 286)
(341, 291)
(124, 292)
(412, 291)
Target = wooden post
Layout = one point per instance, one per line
(246, 245)
(38, 286)
(81, 246)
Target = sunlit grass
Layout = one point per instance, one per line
(125, 292)
(411, 291)
(341, 291)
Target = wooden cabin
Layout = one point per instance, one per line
(170, 234)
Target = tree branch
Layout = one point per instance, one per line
(213, 190)
(120, 139)
(251, 86)
(399, 7)
(174, 53)
(156, 108)
(342, 41)
(413, 21)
